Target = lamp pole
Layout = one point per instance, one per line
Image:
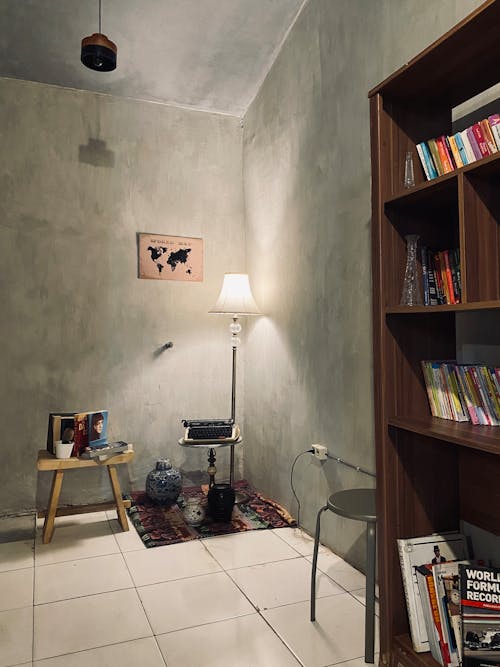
(235, 328)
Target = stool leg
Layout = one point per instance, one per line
(315, 563)
(55, 492)
(370, 593)
(117, 493)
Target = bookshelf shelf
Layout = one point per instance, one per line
(483, 438)
(417, 454)
(457, 307)
(487, 166)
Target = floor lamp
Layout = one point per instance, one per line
(235, 299)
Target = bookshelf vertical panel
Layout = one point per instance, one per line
(481, 252)
(480, 490)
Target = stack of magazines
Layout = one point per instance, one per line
(463, 392)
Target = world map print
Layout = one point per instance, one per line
(170, 257)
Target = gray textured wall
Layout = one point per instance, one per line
(307, 197)
(79, 329)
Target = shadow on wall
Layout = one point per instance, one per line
(96, 154)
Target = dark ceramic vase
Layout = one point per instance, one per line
(221, 502)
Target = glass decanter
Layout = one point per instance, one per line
(412, 292)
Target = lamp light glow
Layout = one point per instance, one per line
(235, 297)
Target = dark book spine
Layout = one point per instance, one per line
(425, 276)
(431, 279)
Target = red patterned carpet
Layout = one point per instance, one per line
(158, 525)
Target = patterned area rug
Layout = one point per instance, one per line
(158, 525)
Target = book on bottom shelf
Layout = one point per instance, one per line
(418, 551)
(430, 610)
(480, 611)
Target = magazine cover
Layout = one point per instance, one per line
(447, 584)
(480, 608)
(97, 428)
(431, 550)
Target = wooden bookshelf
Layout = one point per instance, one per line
(431, 473)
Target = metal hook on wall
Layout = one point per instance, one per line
(162, 348)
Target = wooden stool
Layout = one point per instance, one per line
(47, 461)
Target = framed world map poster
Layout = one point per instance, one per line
(170, 258)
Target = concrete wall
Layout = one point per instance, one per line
(81, 174)
(307, 198)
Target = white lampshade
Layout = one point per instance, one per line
(236, 297)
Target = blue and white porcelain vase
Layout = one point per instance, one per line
(164, 483)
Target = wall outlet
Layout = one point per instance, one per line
(320, 452)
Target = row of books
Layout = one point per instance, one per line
(441, 276)
(463, 392)
(85, 429)
(446, 153)
(453, 602)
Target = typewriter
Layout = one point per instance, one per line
(210, 430)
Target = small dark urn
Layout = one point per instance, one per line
(221, 502)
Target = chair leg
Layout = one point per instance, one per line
(315, 563)
(370, 593)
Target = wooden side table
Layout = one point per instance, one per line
(47, 461)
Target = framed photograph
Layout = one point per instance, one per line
(170, 258)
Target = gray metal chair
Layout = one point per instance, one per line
(357, 504)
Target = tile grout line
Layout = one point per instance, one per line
(33, 597)
(136, 591)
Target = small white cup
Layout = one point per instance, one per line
(63, 449)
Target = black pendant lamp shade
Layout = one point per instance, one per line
(99, 53)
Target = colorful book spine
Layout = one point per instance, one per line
(494, 123)
(427, 161)
(473, 142)
(471, 157)
(455, 152)
(461, 148)
(435, 156)
(481, 140)
(485, 127)
(449, 280)
(447, 144)
(493, 396)
(480, 399)
(444, 155)
(445, 652)
(436, 261)
(468, 398)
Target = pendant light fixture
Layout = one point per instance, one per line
(98, 52)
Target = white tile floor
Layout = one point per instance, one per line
(96, 597)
